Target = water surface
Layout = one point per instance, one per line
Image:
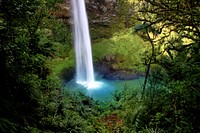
(107, 88)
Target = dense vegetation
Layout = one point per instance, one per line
(174, 64)
(158, 37)
(31, 98)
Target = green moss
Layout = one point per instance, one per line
(58, 64)
(127, 47)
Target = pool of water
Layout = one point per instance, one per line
(106, 89)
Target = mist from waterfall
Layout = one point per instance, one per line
(82, 42)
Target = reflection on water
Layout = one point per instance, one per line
(108, 87)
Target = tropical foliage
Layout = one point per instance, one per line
(163, 41)
(174, 64)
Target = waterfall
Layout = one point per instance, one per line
(82, 42)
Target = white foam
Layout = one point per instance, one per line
(91, 85)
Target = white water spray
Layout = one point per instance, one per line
(84, 64)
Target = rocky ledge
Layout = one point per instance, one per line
(121, 74)
(105, 72)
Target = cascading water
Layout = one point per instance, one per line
(84, 64)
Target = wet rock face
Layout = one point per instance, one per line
(109, 71)
(101, 6)
(99, 11)
(64, 11)
(121, 74)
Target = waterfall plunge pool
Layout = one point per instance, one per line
(100, 89)
(105, 88)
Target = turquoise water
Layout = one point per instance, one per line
(107, 88)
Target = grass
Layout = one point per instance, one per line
(58, 64)
(128, 48)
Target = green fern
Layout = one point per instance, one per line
(7, 126)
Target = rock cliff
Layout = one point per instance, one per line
(99, 11)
